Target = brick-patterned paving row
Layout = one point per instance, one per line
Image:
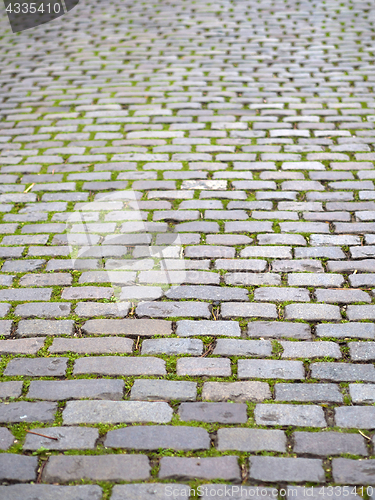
(187, 252)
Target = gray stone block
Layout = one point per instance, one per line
(154, 390)
(37, 367)
(42, 327)
(170, 309)
(52, 390)
(152, 437)
(362, 393)
(24, 411)
(111, 412)
(224, 413)
(68, 438)
(276, 469)
(151, 491)
(130, 327)
(252, 310)
(343, 372)
(21, 346)
(12, 389)
(310, 349)
(211, 367)
(356, 417)
(251, 440)
(276, 369)
(298, 415)
(275, 329)
(329, 443)
(101, 345)
(351, 330)
(239, 392)
(118, 467)
(234, 347)
(6, 438)
(200, 468)
(188, 328)
(119, 365)
(171, 347)
(318, 393)
(347, 471)
(17, 468)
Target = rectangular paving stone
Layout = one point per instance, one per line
(362, 393)
(251, 440)
(318, 393)
(101, 345)
(68, 438)
(43, 310)
(111, 412)
(119, 365)
(170, 309)
(211, 367)
(266, 368)
(346, 330)
(234, 347)
(24, 411)
(151, 491)
(356, 417)
(52, 390)
(116, 467)
(154, 390)
(347, 471)
(172, 347)
(312, 312)
(153, 437)
(130, 327)
(329, 443)
(224, 413)
(18, 468)
(310, 349)
(41, 327)
(50, 492)
(231, 491)
(239, 392)
(342, 372)
(297, 415)
(21, 346)
(274, 329)
(37, 367)
(11, 389)
(184, 469)
(276, 469)
(188, 328)
(253, 310)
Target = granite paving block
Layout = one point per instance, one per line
(181, 468)
(161, 390)
(154, 437)
(119, 366)
(111, 412)
(239, 392)
(225, 413)
(329, 443)
(18, 468)
(24, 411)
(117, 467)
(50, 492)
(298, 415)
(37, 367)
(251, 440)
(67, 438)
(60, 390)
(275, 469)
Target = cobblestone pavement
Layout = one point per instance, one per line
(187, 251)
